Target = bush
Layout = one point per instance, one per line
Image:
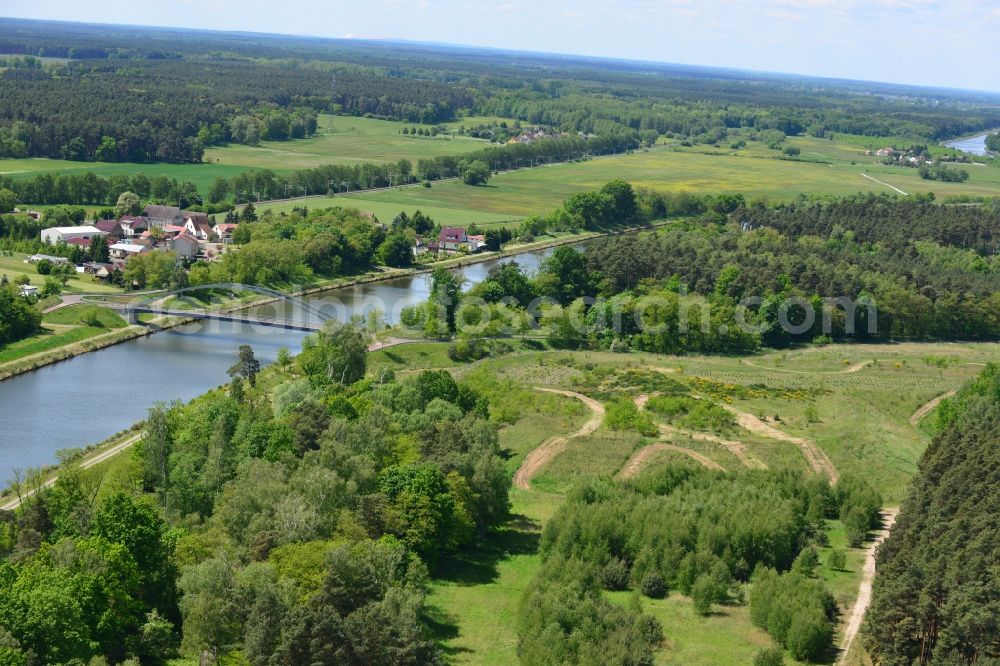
(615, 574)
(44, 267)
(806, 562)
(653, 586)
(704, 594)
(769, 656)
(622, 414)
(837, 559)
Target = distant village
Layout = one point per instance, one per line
(912, 156)
(195, 236)
(189, 235)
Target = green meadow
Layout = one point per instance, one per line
(347, 140)
(824, 168)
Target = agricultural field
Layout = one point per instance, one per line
(347, 140)
(856, 402)
(201, 175)
(824, 168)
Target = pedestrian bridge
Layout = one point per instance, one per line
(310, 318)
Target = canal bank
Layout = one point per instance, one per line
(87, 398)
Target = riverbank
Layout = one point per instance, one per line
(35, 361)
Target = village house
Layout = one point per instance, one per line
(160, 216)
(171, 230)
(452, 238)
(112, 229)
(477, 242)
(224, 232)
(54, 235)
(199, 228)
(185, 246)
(33, 214)
(133, 226)
(79, 242)
(126, 250)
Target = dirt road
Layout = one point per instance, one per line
(738, 449)
(865, 588)
(814, 455)
(642, 457)
(928, 408)
(553, 446)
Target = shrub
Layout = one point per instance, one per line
(622, 414)
(703, 594)
(653, 586)
(615, 574)
(769, 656)
(837, 559)
(806, 562)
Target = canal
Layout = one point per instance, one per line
(88, 398)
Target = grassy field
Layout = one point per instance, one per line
(69, 325)
(346, 140)
(824, 168)
(863, 425)
(14, 266)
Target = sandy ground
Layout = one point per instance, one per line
(814, 455)
(553, 446)
(865, 588)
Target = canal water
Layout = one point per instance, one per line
(973, 144)
(88, 398)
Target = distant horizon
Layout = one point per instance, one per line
(895, 42)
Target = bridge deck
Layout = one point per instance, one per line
(306, 326)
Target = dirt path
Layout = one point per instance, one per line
(814, 455)
(390, 342)
(738, 449)
(857, 367)
(865, 588)
(86, 464)
(642, 457)
(891, 187)
(928, 408)
(552, 447)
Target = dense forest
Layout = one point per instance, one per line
(703, 534)
(936, 595)
(147, 94)
(733, 277)
(293, 516)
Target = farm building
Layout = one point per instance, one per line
(54, 235)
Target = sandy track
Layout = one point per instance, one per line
(928, 408)
(857, 367)
(552, 447)
(642, 457)
(86, 464)
(738, 449)
(814, 455)
(865, 587)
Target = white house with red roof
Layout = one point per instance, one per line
(452, 238)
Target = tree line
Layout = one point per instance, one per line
(291, 517)
(934, 597)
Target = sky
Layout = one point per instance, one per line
(950, 43)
